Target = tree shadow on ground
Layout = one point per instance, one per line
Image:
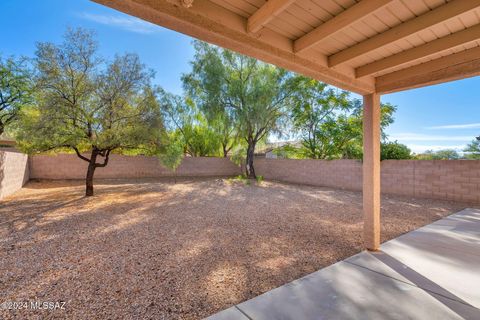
(153, 248)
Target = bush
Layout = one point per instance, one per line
(447, 154)
(240, 178)
(395, 151)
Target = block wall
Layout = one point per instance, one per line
(14, 171)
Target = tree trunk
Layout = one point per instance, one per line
(250, 170)
(91, 170)
(225, 151)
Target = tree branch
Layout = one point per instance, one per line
(79, 154)
(105, 162)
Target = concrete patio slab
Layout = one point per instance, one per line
(464, 222)
(446, 255)
(430, 273)
(443, 257)
(229, 314)
(344, 291)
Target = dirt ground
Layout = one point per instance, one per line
(152, 249)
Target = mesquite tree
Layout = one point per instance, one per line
(88, 105)
(320, 116)
(189, 126)
(328, 122)
(250, 94)
(202, 91)
(472, 151)
(15, 89)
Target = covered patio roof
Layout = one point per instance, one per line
(370, 47)
(362, 46)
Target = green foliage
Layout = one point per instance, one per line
(171, 154)
(259, 179)
(84, 104)
(354, 148)
(203, 87)
(239, 154)
(395, 150)
(224, 129)
(319, 114)
(473, 150)
(250, 96)
(328, 122)
(16, 90)
(240, 178)
(190, 126)
(81, 105)
(387, 111)
(289, 151)
(446, 154)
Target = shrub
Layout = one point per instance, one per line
(395, 151)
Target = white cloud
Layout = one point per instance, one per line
(427, 137)
(457, 126)
(125, 22)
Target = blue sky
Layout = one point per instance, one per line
(436, 117)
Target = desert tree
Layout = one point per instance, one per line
(445, 154)
(203, 92)
(171, 154)
(328, 121)
(89, 105)
(16, 89)
(472, 151)
(189, 125)
(222, 124)
(251, 95)
(320, 115)
(394, 150)
(354, 149)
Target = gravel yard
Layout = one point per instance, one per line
(152, 249)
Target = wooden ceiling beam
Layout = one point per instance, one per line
(266, 13)
(441, 14)
(451, 41)
(338, 23)
(210, 22)
(460, 65)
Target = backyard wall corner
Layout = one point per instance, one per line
(14, 171)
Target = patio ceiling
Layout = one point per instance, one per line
(370, 47)
(364, 46)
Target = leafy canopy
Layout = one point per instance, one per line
(395, 151)
(189, 126)
(16, 89)
(321, 117)
(85, 103)
(249, 95)
(328, 122)
(472, 151)
(447, 154)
